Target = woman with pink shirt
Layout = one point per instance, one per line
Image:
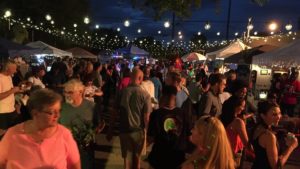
(125, 80)
(41, 142)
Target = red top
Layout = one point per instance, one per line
(235, 140)
(124, 83)
(290, 88)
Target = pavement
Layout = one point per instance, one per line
(108, 153)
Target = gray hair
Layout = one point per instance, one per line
(74, 84)
(42, 98)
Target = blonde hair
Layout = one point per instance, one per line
(219, 154)
(89, 67)
(74, 84)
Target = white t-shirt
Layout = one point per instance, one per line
(224, 96)
(89, 92)
(36, 81)
(148, 86)
(7, 104)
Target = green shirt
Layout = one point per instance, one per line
(71, 115)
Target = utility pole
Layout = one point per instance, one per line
(173, 26)
(228, 19)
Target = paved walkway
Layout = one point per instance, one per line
(108, 154)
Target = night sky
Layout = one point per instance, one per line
(112, 13)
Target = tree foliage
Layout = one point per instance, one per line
(181, 8)
(260, 2)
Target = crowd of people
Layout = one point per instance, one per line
(191, 118)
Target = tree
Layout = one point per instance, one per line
(260, 2)
(181, 8)
(20, 34)
(198, 42)
(199, 39)
(109, 39)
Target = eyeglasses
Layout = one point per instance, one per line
(51, 112)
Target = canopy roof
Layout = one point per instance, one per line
(48, 49)
(245, 56)
(288, 55)
(193, 57)
(132, 51)
(227, 51)
(81, 53)
(13, 49)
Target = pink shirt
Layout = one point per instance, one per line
(290, 96)
(20, 151)
(124, 83)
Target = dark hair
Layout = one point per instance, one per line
(272, 95)
(216, 78)
(152, 73)
(41, 99)
(96, 65)
(174, 76)
(36, 70)
(228, 109)
(216, 69)
(231, 71)
(169, 90)
(126, 72)
(238, 85)
(264, 107)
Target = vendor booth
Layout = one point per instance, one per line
(233, 48)
(132, 52)
(81, 53)
(286, 56)
(190, 57)
(46, 54)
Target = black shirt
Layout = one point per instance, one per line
(166, 128)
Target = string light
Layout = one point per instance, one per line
(48, 17)
(86, 20)
(207, 26)
(167, 24)
(288, 27)
(126, 23)
(87, 39)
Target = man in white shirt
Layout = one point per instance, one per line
(8, 115)
(148, 86)
(36, 79)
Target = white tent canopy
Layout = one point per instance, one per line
(288, 55)
(48, 49)
(193, 57)
(13, 49)
(233, 48)
(82, 53)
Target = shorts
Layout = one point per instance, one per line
(132, 143)
(8, 120)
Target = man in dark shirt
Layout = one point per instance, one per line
(210, 103)
(165, 131)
